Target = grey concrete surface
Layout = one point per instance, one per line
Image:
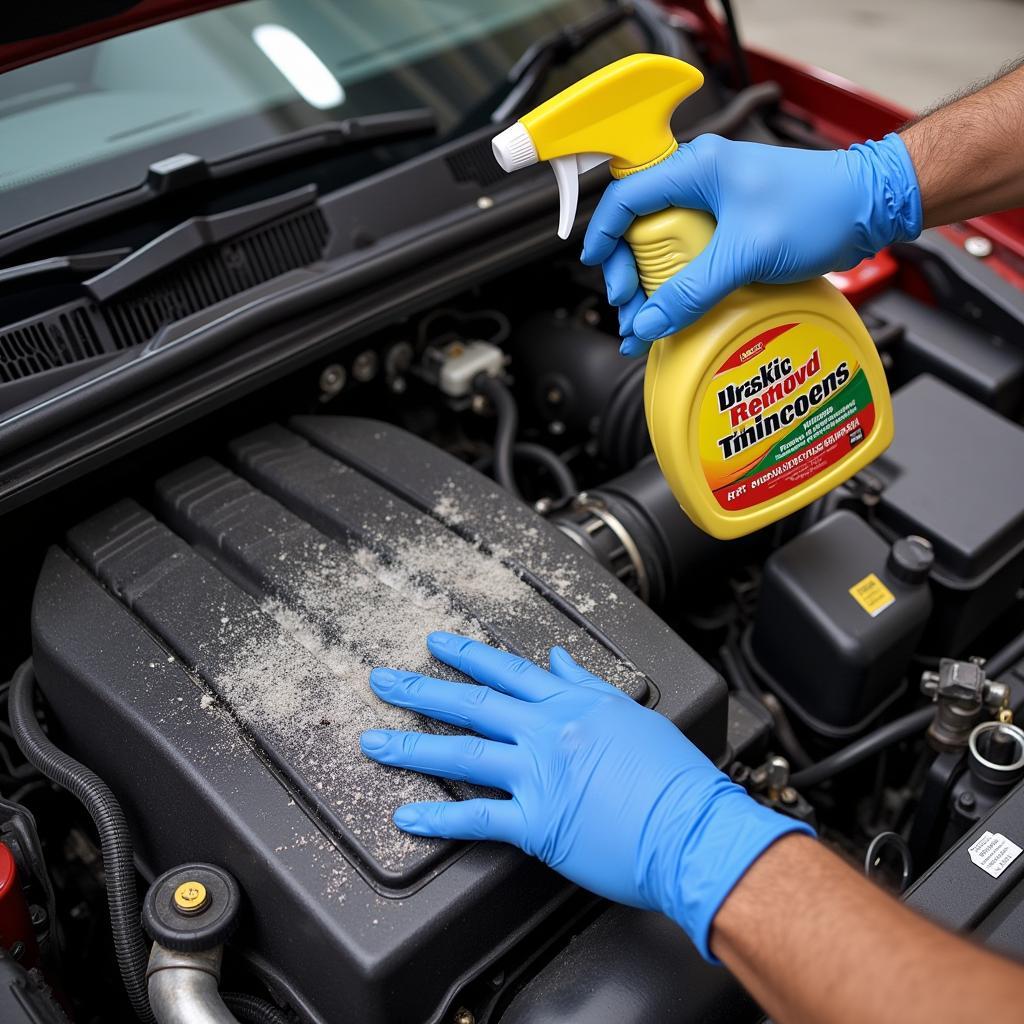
(915, 52)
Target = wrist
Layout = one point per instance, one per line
(708, 842)
(895, 211)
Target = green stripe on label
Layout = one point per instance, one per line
(855, 396)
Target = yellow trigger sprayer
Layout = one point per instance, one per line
(774, 396)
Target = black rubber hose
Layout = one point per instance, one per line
(739, 56)
(252, 1009)
(559, 472)
(886, 735)
(736, 111)
(507, 412)
(622, 437)
(115, 839)
(1005, 658)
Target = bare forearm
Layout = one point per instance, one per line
(813, 941)
(969, 154)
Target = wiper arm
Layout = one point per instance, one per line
(540, 57)
(368, 129)
(177, 172)
(58, 269)
(192, 236)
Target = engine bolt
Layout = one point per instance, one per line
(484, 202)
(778, 772)
(978, 245)
(464, 1016)
(332, 380)
(788, 795)
(364, 366)
(966, 801)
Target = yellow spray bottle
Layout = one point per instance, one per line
(774, 396)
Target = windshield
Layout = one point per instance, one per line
(87, 123)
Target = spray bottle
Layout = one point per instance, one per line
(774, 396)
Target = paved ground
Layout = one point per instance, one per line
(912, 51)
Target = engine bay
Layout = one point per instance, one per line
(214, 624)
(208, 554)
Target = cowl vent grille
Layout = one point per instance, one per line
(47, 343)
(82, 329)
(475, 164)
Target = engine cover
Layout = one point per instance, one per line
(206, 650)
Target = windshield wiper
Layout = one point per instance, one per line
(369, 129)
(540, 57)
(184, 170)
(58, 269)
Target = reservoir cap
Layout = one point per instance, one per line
(911, 559)
(192, 908)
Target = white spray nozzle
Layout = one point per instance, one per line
(514, 149)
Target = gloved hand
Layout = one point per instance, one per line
(783, 215)
(605, 791)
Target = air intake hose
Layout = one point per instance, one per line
(634, 527)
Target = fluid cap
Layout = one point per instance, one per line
(192, 908)
(911, 559)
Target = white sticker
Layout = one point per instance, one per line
(993, 853)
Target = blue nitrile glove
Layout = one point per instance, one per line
(605, 791)
(783, 215)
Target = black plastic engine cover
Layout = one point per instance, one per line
(206, 650)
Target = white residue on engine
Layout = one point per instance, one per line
(294, 670)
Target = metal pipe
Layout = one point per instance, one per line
(184, 987)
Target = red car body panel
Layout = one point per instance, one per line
(23, 43)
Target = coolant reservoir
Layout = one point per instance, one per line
(839, 617)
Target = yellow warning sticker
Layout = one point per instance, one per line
(872, 595)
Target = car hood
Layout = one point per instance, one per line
(33, 33)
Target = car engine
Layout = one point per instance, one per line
(202, 642)
(452, 441)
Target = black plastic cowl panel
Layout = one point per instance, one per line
(205, 647)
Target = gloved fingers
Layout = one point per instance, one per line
(627, 313)
(566, 667)
(465, 758)
(473, 707)
(633, 347)
(464, 819)
(620, 274)
(615, 211)
(506, 672)
(670, 183)
(690, 293)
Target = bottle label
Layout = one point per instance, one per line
(784, 406)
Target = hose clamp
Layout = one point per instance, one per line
(600, 512)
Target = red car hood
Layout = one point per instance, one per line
(28, 35)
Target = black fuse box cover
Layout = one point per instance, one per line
(953, 475)
(205, 645)
(836, 661)
(961, 894)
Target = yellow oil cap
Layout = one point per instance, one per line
(191, 897)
